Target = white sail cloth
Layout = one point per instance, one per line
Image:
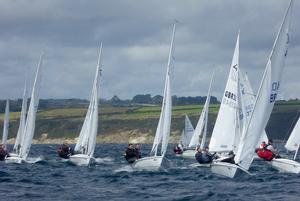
(224, 133)
(6, 125)
(187, 132)
(266, 95)
(87, 138)
(293, 142)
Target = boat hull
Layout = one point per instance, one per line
(224, 169)
(285, 165)
(148, 163)
(198, 165)
(14, 159)
(80, 159)
(189, 154)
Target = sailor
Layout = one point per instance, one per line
(271, 148)
(204, 156)
(65, 151)
(178, 149)
(138, 151)
(264, 152)
(131, 154)
(229, 158)
(3, 153)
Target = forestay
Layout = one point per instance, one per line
(224, 132)
(163, 129)
(30, 121)
(266, 95)
(87, 137)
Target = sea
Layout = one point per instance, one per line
(110, 177)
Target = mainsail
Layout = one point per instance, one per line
(22, 121)
(30, 121)
(6, 125)
(187, 132)
(266, 95)
(87, 138)
(293, 142)
(223, 136)
(202, 122)
(163, 129)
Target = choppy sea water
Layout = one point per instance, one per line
(111, 178)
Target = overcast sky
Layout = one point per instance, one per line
(136, 36)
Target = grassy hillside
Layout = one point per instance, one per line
(120, 123)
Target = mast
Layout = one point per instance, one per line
(6, 125)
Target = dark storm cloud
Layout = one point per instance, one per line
(136, 36)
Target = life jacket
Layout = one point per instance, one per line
(265, 154)
(178, 150)
(131, 155)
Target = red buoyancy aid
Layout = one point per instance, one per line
(265, 154)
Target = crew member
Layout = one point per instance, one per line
(3, 153)
(204, 156)
(65, 151)
(131, 154)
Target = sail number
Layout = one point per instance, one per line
(273, 95)
(230, 95)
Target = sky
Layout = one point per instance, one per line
(136, 36)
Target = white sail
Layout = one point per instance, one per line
(293, 142)
(5, 125)
(266, 95)
(224, 132)
(30, 121)
(22, 121)
(247, 104)
(187, 132)
(164, 125)
(202, 122)
(87, 138)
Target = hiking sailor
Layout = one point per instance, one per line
(64, 151)
(131, 153)
(3, 153)
(204, 156)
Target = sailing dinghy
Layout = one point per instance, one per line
(153, 162)
(185, 137)
(86, 142)
(293, 143)
(263, 105)
(5, 126)
(201, 128)
(27, 130)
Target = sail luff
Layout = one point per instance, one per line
(266, 94)
(293, 142)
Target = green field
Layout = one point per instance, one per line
(67, 122)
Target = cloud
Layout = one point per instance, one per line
(136, 37)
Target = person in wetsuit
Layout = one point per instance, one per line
(204, 156)
(178, 149)
(65, 151)
(131, 154)
(230, 158)
(3, 153)
(138, 151)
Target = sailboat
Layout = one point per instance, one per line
(86, 142)
(153, 162)
(28, 130)
(263, 105)
(19, 138)
(293, 143)
(187, 132)
(5, 126)
(200, 128)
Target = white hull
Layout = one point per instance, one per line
(224, 169)
(285, 165)
(14, 159)
(189, 154)
(148, 163)
(200, 165)
(80, 159)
